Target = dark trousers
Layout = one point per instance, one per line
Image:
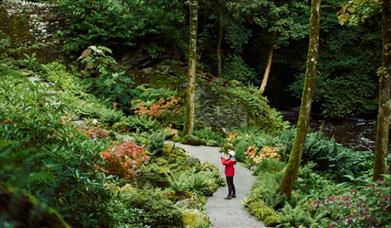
(231, 186)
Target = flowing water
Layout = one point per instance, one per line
(355, 133)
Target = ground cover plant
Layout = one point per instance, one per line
(66, 147)
(334, 187)
(90, 92)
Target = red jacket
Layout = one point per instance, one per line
(229, 166)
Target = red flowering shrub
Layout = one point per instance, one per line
(124, 159)
(158, 108)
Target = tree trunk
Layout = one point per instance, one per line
(219, 40)
(383, 117)
(268, 65)
(191, 73)
(290, 176)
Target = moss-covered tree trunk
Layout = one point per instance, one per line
(268, 65)
(191, 73)
(290, 176)
(383, 118)
(219, 40)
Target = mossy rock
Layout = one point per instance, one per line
(24, 210)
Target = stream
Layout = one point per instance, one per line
(355, 133)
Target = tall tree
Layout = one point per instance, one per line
(290, 176)
(355, 12)
(268, 64)
(219, 41)
(191, 73)
(383, 118)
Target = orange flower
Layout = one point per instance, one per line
(251, 151)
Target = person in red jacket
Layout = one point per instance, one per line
(229, 164)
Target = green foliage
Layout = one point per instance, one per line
(348, 60)
(22, 209)
(237, 69)
(247, 137)
(151, 208)
(156, 142)
(366, 205)
(330, 156)
(161, 104)
(200, 183)
(29, 62)
(347, 95)
(274, 16)
(318, 201)
(296, 216)
(263, 212)
(97, 60)
(194, 218)
(22, 105)
(56, 73)
(211, 138)
(149, 94)
(237, 37)
(263, 196)
(104, 77)
(334, 158)
(262, 115)
(51, 155)
(193, 140)
(269, 165)
(127, 23)
(357, 11)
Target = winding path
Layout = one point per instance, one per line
(226, 213)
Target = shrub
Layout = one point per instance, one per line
(156, 142)
(21, 209)
(124, 159)
(136, 124)
(154, 209)
(237, 69)
(104, 77)
(159, 103)
(211, 138)
(157, 21)
(296, 216)
(203, 183)
(193, 140)
(364, 206)
(195, 218)
(261, 114)
(260, 210)
(94, 133)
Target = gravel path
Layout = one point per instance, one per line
(226, 213)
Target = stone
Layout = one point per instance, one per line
(80, 124)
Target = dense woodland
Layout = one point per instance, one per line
(85, 120)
